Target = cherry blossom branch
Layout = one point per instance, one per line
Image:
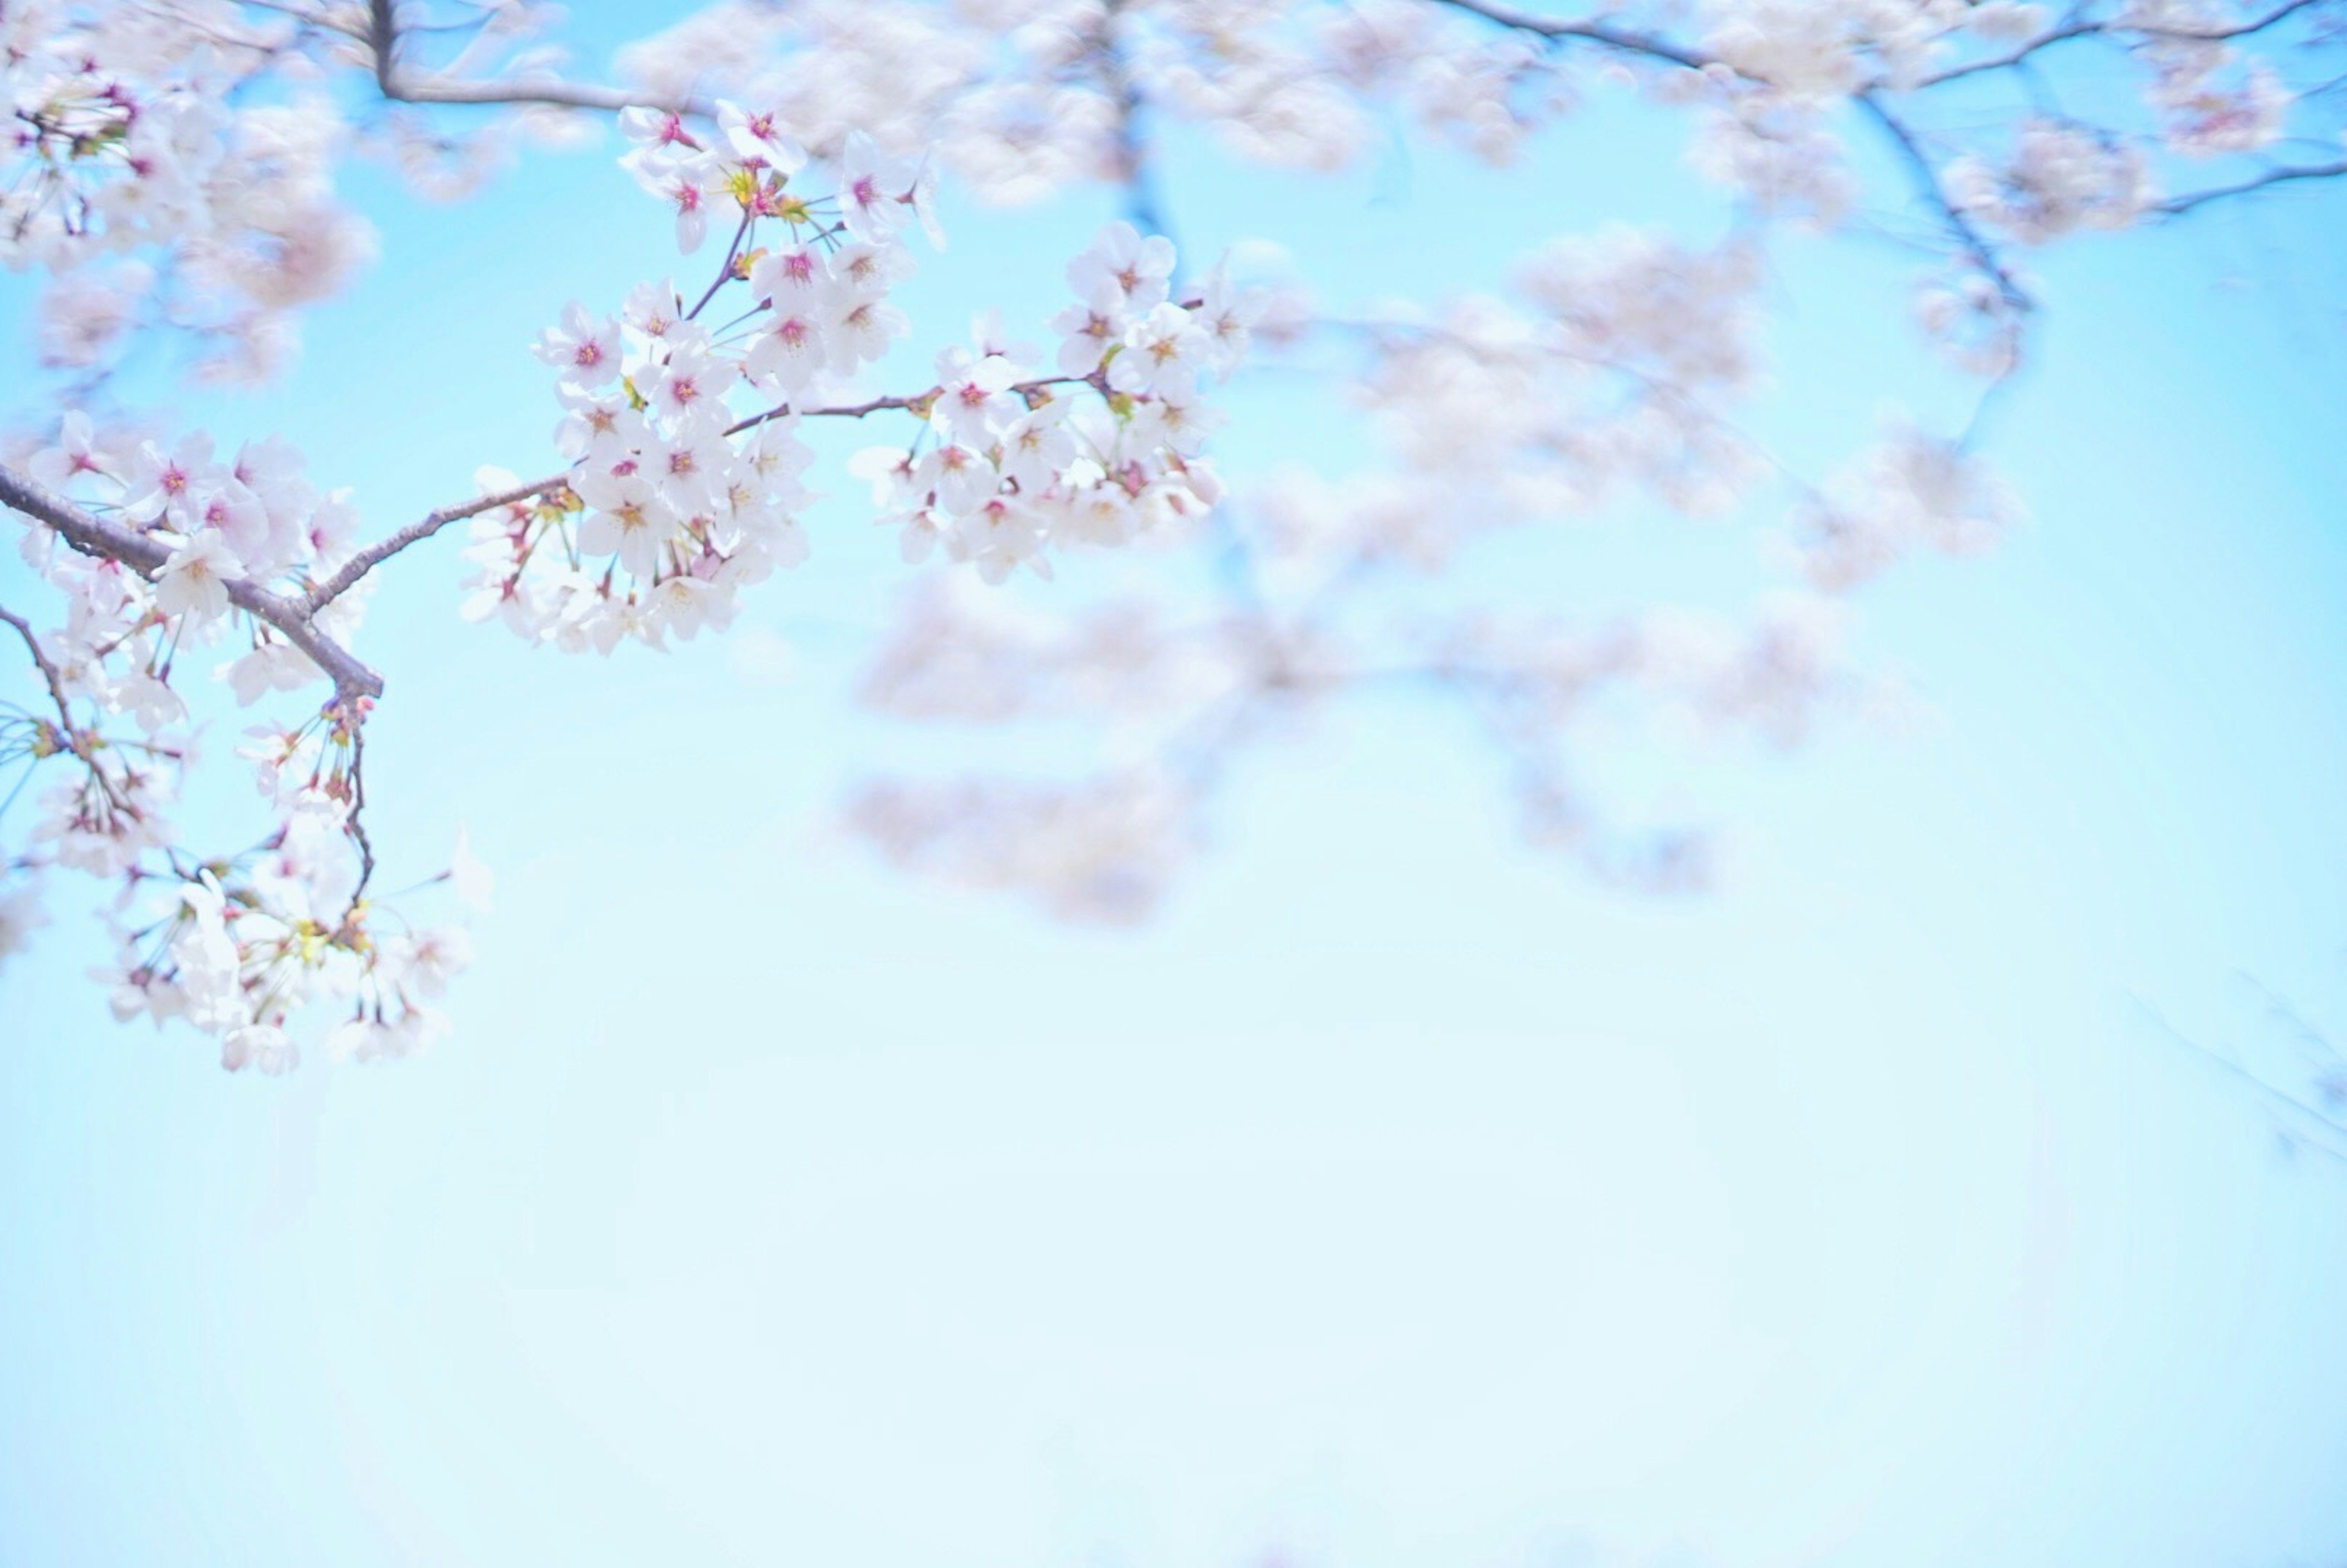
(549, 91)
(74, 739)
(49, 674)
(2084, 28)
(2013, 57)
(375, 554)
(2280, 13)
(383, 39)
(1927, 184)
(725, 274)
(1141, 202)
(95, 536)
(1604, 34)
(353, 823)
(355, 569)
(918, 401)
(2176, 206)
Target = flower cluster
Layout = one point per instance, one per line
(212, 522)
(241, 942)
(686, 441)
(1012, 461)
(1497, 413)
(678, 496)
(2212, 101)
(1912, 491)
(1024, 96)
(2061, 177)
(175, 164)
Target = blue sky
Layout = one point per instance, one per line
(1398, 1197)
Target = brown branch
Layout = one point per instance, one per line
(725, 272)
(1623, 40)
(1098, 380)
(354, 718)
(81, 744)
(347, 577)
(551, 92)
(383, 39)
(49, 673)
(1927, 182)
(375, 554)
(146, 555)
(2280, 13)
(2012, 57)
(2179, 205)
(2083, 29)
(1141, 201)
(355, 685)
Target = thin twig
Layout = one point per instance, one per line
(1622, 40)
(77, 741)
(351, 825)
(2280, 1098)
(383, 39)
(725, 273)
(375, 554)
(2086, 29)
(2175, 206)
(1098, 380)
(49, 674)
(1927, 181)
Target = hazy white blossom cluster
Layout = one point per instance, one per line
(2060, 178)
(1023, 97)
(958, 652)
(1912, 491)
(1179, 698)
(177, 164)
(135, 137)
(1608, 374)
(1101, 849)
